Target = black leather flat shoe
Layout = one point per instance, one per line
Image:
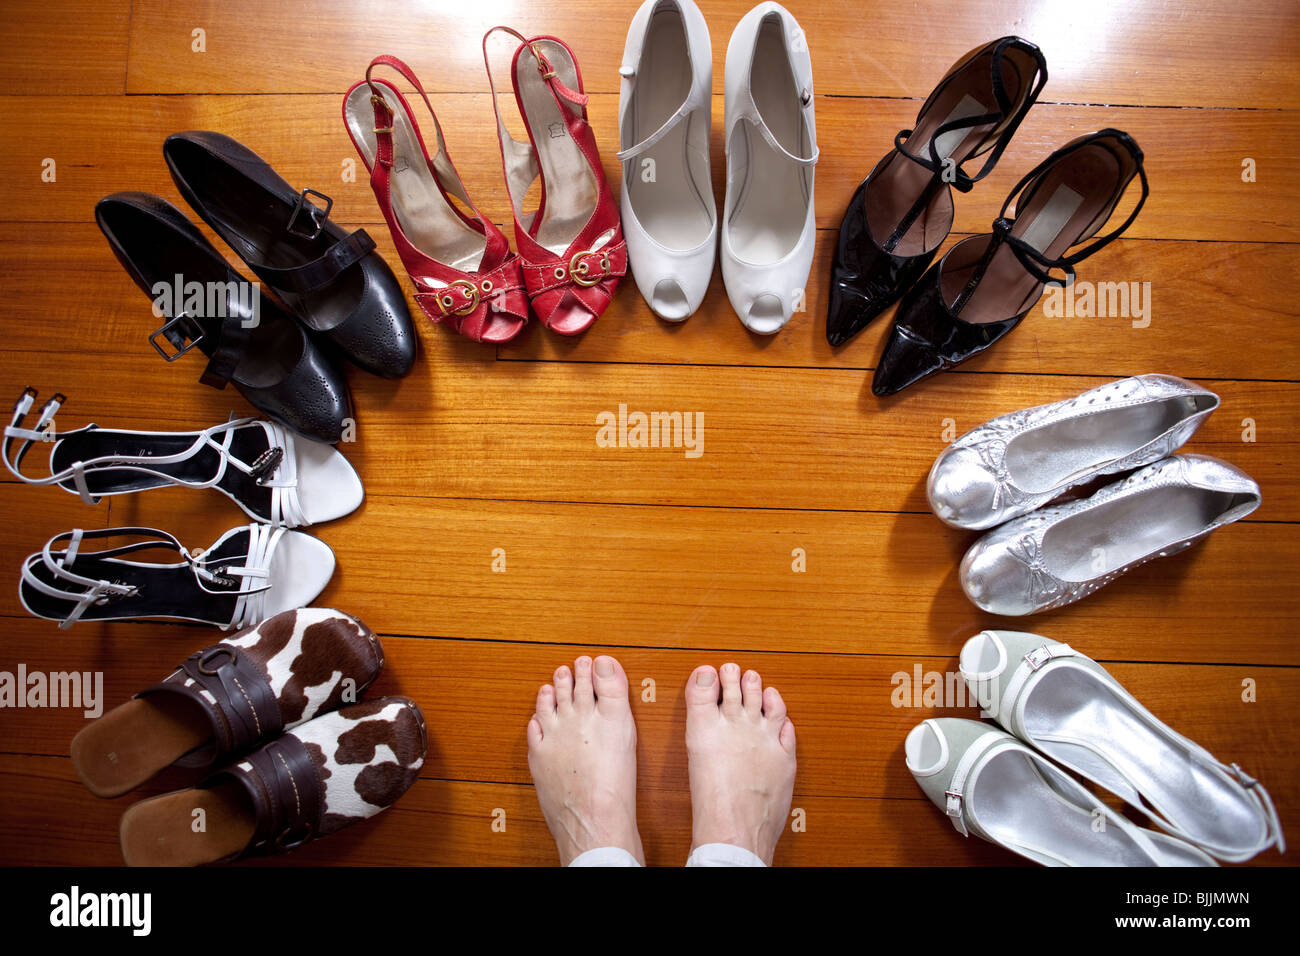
(335, 283)
(248, 339)
(985, 285)
(903, 211)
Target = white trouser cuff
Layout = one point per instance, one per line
(605, 856)
(723, 854)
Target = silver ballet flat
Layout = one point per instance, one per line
(1070, 708)
(1020, 461)
(1062, 553)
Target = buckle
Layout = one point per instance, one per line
(446, 301)
(580, 273)
(187, 328)
(954, 800)
(284, 843)
(111, 592)
(547, 72)
(298, 208)
(1038, 657)
(265, 464)
(226, 649)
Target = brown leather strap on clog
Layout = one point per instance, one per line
(286, 791)
(242, 706)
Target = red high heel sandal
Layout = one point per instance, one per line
(464, 272)
(572, 244)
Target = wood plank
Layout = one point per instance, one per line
(1224, 289)
(1194, 156)
(91, 41)
(439, 823)
(723, 578)
(51, 819)
(527, 430)
(477, 697)
(1139, 53)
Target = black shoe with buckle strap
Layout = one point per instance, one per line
(248, 339)
(334, 282)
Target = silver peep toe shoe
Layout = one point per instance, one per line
(1020, 461)
(1062, 553)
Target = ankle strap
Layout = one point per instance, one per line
(440, 163)
(1032, 259)
(519, 159)
(1007, 117)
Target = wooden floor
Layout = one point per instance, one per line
(663, 560)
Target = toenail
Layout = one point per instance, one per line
(604, 667)
(584, 663)
(704, 678)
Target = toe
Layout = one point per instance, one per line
(584, 695)
(563, 689)
(731, 702)
(534, 731)
(702, 688)
(611, 685)
(773, 705)
(751, 692)
(787, 736)
(546, 702)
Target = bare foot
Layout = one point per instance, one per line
(742, 762)
(582, 754)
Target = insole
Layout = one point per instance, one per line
(246, 444)
(669, 205)
(1013, 803)
(1101, 539)
(768, 219)
(570, 186)
(423, 212)
(1062, 209)
(1044, 458)
(895, 188)
(133, 742)
(166, 830)
(1077, 718)
(164, 589)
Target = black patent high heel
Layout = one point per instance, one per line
(903, 210)
(985, 285)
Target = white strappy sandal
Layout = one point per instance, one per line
(769, 225)
(273, 475)
(1067, 705)
(248, 575)
(991, 785)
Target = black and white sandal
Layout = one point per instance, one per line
(272, 474)
(248, 575)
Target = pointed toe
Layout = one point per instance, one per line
(905, 361)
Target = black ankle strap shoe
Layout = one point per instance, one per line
(903, 210)
(985, 285)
